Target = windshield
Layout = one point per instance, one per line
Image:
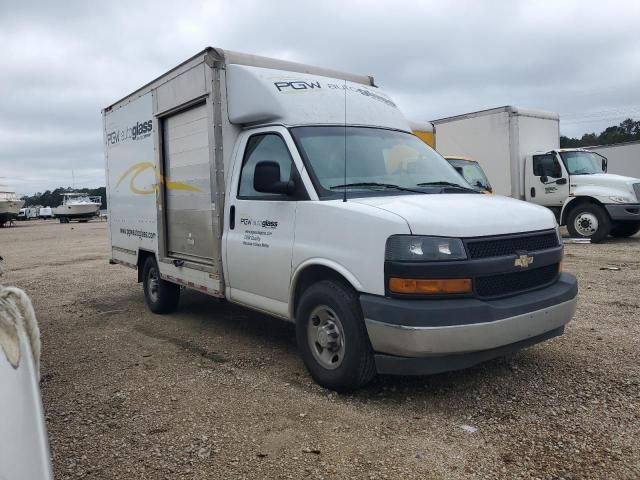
(472, 173)
(582, 163)
(377, 159)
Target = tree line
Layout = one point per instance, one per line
(626, 131)
(53, 198)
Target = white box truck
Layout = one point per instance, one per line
(520, 152)
(301, 192)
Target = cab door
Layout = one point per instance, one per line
(546, 180)
(260, 226)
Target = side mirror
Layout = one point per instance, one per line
(544, 178)
(266, 179)
(561, 181)
(604, 165)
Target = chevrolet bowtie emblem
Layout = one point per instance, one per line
(523, 261)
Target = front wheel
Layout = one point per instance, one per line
(332, 338)
(589, 221)
(623, 230)
(161, 296)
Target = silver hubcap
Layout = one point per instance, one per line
(326, 337)
(153, 284)
(586, 224)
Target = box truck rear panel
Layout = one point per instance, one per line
(534, 132)
(131, 185)
(484, 138)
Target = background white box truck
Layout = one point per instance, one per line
(301, 192)
(623, 158)
(520, 152)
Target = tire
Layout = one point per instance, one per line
(160, 296)
(589, 221)
(626, 229)
(345, 362)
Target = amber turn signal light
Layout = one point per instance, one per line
(430, 286)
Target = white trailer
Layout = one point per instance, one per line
(301, 192)
(624, 158)
(45, 213)
(520, 152)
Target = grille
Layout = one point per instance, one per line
(498, 247)
(636, 189)
(510, 283)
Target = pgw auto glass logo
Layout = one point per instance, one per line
(136, 132)
(296, 85)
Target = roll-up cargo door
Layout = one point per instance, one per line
(188, 196)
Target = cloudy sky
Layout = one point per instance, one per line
(61, 62)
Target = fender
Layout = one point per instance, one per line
(570, 201)
(323, 262)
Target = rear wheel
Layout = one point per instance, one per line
(623, 230)
(332, 338)
(161, 296)
(589, 221)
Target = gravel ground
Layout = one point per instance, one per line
(217, 391)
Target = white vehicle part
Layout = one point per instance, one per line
(24, 451)
(348, 237)
(257, 251)
(16, 314)
(262, 95)
(462, 215)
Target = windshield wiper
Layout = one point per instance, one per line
(376, 184)
(446, 184)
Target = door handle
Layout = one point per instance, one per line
(533, 192)
(232, 217)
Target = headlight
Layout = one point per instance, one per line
(621, 199)
(411, 248)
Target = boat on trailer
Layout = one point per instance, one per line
(10, 204)
(77, 206)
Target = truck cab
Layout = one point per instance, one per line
(575, 185)
(471, 171)
(302, 192)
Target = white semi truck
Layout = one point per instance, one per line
(301, 192)
(520, 152)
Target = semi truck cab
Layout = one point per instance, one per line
(575, 185)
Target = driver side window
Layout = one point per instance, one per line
(546, 165)
(264, 147)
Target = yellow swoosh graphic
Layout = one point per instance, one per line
(138, 168)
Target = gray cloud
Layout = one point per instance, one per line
(63, 62)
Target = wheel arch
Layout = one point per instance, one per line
(574, 202)
(142, 257)
(313, 271)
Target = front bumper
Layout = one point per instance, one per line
(624, 212)
(430, 336)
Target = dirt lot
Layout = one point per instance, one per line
(216, 391)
